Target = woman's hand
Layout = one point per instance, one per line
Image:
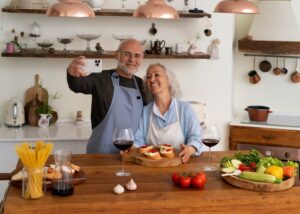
(186, 152)
(75, 68)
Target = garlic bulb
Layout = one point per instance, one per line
(118, 189)
(131, 185)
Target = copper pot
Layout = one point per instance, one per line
(258, 113)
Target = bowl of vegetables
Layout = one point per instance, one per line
(257, 173)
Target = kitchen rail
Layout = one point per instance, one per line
(273, 55)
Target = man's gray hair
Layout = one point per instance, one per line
(173, 82)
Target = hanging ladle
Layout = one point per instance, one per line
(277, 70)
(284, 70)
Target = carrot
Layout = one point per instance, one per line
(288, 171)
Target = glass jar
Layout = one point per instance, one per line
(33, 185)
(62, 185)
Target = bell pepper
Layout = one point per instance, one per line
(288, 171)
(277, 171)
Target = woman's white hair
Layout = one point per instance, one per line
(173, 82)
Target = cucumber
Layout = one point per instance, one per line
(228, 169)
(236, 163)
(258, 177)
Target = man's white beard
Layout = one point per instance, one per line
(125, 69)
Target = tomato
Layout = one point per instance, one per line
(184, 181)
(175, 177)
(199, 180)
(203, 175)
(244, 167)
(252, 165)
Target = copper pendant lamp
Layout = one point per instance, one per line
(156, 9)
(70, 8)
(236, 6)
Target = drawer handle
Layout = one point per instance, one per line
(268, 137)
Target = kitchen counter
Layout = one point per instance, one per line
(56, 132)
(155, 194)
(241, 118)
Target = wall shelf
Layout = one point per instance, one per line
(93, 54)
(105, 12)
(269, 47)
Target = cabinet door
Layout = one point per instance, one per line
(264, 136)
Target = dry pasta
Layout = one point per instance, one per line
(34, 160)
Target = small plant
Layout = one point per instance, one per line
(46, 108)
(193, 39)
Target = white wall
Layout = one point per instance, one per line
(277, 92)
(208, 81)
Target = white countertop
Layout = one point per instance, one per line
(60, 131)
(240, 117)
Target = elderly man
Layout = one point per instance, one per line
(117, 95)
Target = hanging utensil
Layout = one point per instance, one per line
(284, 70)
(253, 75)
(265, 65)
(277, 70)
(295, 76)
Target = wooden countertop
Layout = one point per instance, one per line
(155, 194)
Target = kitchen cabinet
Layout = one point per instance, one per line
(263, 136)
(106, 54)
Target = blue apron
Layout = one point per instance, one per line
(124, 112)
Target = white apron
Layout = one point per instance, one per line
(171, 134)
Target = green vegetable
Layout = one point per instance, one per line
(291, 163)
(261, 169)
(259, 177)
(226, 162)
(269, 161)
(252, 157)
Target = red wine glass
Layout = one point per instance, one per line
(210, 137)
(123, 140)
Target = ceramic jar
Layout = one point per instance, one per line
(44, 120)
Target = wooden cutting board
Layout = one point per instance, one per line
(259, 186)
(41, 92)
(135, 156)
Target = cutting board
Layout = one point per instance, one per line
(41, 92)
(78, 178)
(135, 156)
(259, 186)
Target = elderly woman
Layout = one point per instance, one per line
(168, 120)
